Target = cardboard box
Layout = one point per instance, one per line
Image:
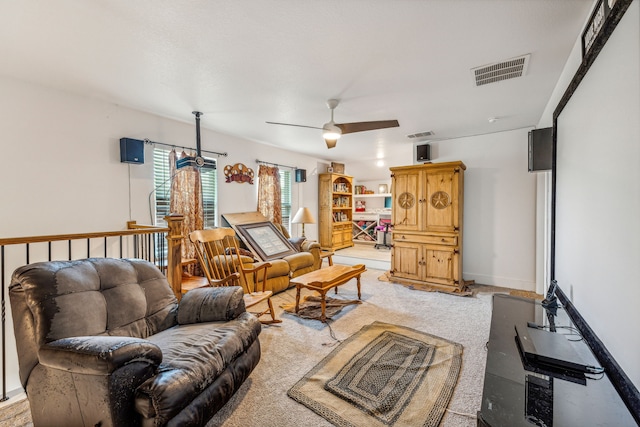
(337, 167)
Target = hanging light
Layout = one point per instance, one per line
(331, 131)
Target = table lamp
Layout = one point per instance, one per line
(303, 216)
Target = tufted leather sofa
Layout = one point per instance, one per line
(105, 342)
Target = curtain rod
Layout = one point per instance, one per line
(276, 164)
(147, 141)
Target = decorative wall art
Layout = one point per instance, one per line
(238, 173)
(265, 240)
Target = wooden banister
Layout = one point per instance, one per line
(173, 235)
(174, 252)
(79, 236)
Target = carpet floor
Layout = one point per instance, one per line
(290, 349)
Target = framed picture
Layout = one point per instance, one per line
(265, 240)
(595, 24)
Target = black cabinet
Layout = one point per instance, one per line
(514, 396)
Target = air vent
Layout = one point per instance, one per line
(512, 68)
(420, 135)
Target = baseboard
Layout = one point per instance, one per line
(370, 263)
(504, 282)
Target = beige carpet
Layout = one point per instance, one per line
(383, 375)
(293, 347)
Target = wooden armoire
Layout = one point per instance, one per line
(427, 224)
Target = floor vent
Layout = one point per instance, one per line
(512, 68)
(420, 135)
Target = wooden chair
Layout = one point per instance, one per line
(221, 261)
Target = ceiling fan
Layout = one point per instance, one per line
(332, 131)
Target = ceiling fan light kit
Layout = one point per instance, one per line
(332, 131)
(331, 134)
(331, 143)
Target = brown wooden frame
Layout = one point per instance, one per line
(265, 240)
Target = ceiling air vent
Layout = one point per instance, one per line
(420, 135)
(509, 69)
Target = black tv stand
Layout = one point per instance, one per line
(515, 394)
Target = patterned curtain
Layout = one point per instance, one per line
(186, 199)
(269, 193)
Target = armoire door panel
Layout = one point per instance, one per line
(406, 260)
(405, 203)
(440, 202)
(439, 264)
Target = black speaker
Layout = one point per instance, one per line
(131, 150)
(540, 149)
(423, 153)
(301, 175)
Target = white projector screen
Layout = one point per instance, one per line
(597, 195)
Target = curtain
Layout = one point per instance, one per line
(186, 199)
(269, 193)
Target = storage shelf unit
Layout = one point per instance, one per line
(335, 194)
(427, 224)
(365, 223)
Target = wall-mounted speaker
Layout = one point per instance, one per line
(301, 175)
(423, 153)
(540, 149)
(131, 150)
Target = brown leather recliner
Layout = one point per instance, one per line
(105, 342)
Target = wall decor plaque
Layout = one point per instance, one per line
(238, 173)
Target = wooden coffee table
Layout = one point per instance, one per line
(326, 278)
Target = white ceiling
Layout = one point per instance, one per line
(244, 62)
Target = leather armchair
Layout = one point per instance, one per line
(304, 246)
(105, 342)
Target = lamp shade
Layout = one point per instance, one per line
(303, 216)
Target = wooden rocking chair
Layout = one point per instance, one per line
(222, 263)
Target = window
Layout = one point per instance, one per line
(162, 185)
(285, 194)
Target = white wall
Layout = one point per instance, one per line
(62, 171)
(598, 196)
(499, 207)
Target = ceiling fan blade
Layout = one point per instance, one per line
(365, 126)
(289, 124)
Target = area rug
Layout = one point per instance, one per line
(383, 375)
(310, 307)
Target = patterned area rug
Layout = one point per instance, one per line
(310, 307)
(383, 375)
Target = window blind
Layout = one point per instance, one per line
(285, 193)
(162, 184)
